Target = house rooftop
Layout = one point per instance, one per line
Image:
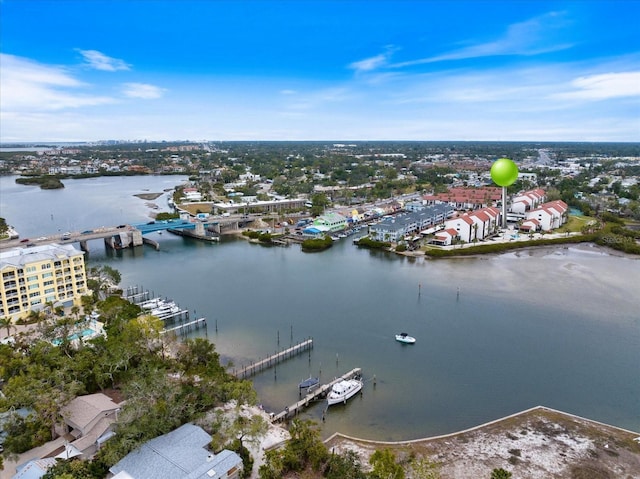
(179, 454)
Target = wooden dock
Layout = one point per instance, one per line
(185, 327)
(312, 396)
(274, 359)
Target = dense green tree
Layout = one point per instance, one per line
(385, 465)
(24, 433)
(344, 466)
(305, 449)
(273, 466)
(77, 469)
(305, 446)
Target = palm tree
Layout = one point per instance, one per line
(35, 316)
(5, 322)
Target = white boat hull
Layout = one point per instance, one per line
(344, 390)
(403, 338)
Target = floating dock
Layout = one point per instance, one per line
(274, 359)
(320, 392)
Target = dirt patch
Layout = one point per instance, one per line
(538, 443)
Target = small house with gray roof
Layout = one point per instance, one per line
(181, 454)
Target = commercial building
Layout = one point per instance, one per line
(425, 221)
(34, 276)
(330, 222)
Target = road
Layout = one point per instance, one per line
(67, 237)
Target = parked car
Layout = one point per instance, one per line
(26, 240)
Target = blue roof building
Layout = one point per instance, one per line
(34, 469)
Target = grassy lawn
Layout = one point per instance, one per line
(575, 223)
(196, 208)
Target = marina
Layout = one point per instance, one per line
(166, 310)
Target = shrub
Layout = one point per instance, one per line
(317, 244)
(370, 243)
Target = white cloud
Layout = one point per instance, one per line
(100, 61)
(142, 90)
(369, 63)
(531, 37)
(30, 86)
(604, 86)
(373, 63)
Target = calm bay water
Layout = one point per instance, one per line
(556, 327)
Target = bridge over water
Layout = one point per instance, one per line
(126, 235)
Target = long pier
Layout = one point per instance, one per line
(185, 327)
(274, 359)
(312, 396)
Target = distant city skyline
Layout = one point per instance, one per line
(428, 70)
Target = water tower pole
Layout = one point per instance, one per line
(504, 207)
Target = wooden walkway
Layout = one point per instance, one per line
(312, 396)
(255, 368)
(185, 327)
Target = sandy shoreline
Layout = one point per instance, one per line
(536, 443)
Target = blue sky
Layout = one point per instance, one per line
(85, 70)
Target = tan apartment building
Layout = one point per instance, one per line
(34, 276)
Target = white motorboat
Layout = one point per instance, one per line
(405, 338)
(152, 303)
(167, 309)
(343, 390)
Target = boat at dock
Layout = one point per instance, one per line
(405, 338)
(152, 303)
(166, 309)
(344, 390)
(309, 383)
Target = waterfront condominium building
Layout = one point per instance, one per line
(35, 276)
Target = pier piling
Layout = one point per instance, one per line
(274, 359)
